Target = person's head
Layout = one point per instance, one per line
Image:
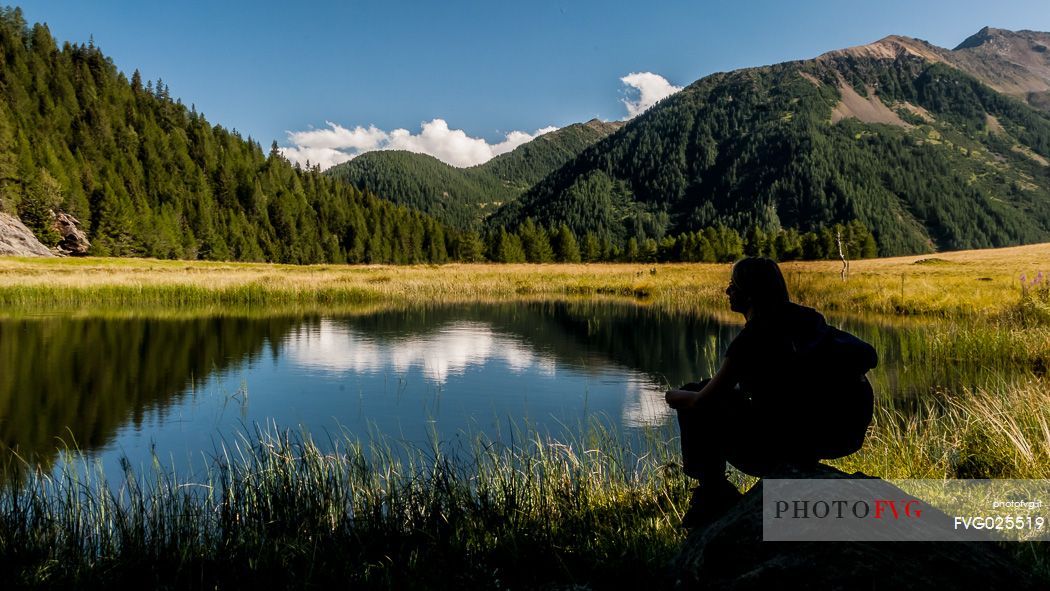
(757, 284)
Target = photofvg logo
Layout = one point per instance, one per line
(872, 509)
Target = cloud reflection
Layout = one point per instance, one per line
(339, 349)
(643, 403)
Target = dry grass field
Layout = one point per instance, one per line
(956, 284)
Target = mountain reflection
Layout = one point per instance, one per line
(80, 382)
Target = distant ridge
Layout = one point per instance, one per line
(890, 47)
(1016, 63)
(463, 197)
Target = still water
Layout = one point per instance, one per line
(181, 388)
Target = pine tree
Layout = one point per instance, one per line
(509, 248)
(592, 248)
(535, 242)
(566, 250)
(42, 197)
(633, 253)
(470, 248)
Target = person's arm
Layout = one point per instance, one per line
(722, 382)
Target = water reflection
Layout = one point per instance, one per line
(669, 348)
(334, 346)
(75, 382)
(175, 387)
(114, 386)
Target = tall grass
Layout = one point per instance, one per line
(988, 432)
(952, 285)
(275, 509)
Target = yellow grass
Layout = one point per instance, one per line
(954, 284)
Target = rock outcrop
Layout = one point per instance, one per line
(18, 240)
(74, 239)
(730, 554)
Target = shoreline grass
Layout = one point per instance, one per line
(986, 432)
(275, 510)
(589, 510)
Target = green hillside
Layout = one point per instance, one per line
(898, 146)
(456, 196)
(149, 177)
(463, 197)
(921, 153)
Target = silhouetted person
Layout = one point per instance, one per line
(758, 411)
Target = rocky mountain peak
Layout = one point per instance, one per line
(985, 35)
(1012, 62)
(890, 47)
(1016, 63)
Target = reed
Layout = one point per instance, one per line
(277, 509)
(989, 432)
(274, 508)
(596, 509)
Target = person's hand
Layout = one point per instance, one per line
(679, 399)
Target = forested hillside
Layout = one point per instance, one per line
(148, 176)
(921, 153)
(891, 148)
(463, 197)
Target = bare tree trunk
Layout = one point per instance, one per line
(844, 274)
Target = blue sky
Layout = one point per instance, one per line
(456, 77)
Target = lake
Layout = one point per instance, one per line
(120, 387)
(181, 388)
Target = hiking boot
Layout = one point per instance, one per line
(709, 502)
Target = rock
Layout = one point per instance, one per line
(730, 554)
(18, 240)
(74, 239)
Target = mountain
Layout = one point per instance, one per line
(928, 148)
(922, 147)
(149, 177)
(462, 197)
(1013, 63)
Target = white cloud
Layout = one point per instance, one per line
(339, 137)
(326, 157)
(648, 88)
(336, 144)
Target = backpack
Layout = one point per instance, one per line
(840, 403)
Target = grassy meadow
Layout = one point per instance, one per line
(276, 510)
(956, 284)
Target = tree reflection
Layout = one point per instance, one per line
(75, 382)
